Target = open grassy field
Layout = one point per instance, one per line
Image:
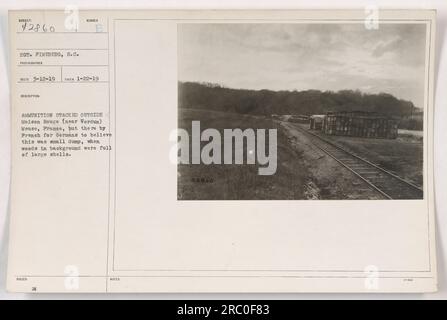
(240, 182)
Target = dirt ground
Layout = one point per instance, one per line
(327, 178)
(402, 156)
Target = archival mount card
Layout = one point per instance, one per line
(222, 151)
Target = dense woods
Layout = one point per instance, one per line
(266, 102)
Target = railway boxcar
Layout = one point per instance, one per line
(316, 121)
(360, 124)
(299, 118)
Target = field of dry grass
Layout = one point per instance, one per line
(240, 182)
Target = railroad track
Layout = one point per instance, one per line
(386, 183)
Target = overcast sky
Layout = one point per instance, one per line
(306, 56)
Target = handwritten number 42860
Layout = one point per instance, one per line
(37, 27)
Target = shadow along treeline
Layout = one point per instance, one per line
(267, 102)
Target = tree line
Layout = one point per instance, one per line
(211, 96)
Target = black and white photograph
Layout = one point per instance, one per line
(301, 111)
(170, 152)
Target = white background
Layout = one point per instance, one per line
(440, 128)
